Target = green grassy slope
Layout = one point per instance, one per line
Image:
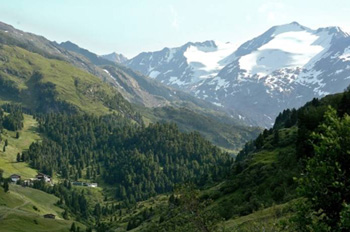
(21, 83)
(8, 158)
(263, 179)
(22, 209)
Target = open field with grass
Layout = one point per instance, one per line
(22, 209)
(8, 158)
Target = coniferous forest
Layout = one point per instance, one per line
(139, 161)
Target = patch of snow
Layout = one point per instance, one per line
(113, 78)
(339, 71)
(285, 50)
(309, 77)
(207, 61)
(175, 80)
(168, 71)
(154, 74)
(218, 104)
(346, 55)
(241, 117)
(220, 83)
(170, 54)
(267, 116)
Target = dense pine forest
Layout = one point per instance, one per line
(139, 161)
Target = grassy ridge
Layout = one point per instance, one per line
(71, 85)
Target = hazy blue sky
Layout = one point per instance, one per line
(133, 26)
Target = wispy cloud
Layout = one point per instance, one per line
(175, 17)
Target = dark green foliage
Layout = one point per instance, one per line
(14, 120)
(8, 89)
(276, 137)
(1, 175)
(321, 148)
(139, 161)
(344, 104)
(187, 211)
(6, 185)
(73, 227)
(286, 119)
(65, 215)
(248, 147)
(73, 199)
(46, 96)
(326, 180)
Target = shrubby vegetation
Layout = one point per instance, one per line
(325, 181)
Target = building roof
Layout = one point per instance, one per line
(49, 215)
(15, 175)
(42, 174)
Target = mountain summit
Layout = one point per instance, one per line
(115, 57)
(282, 68)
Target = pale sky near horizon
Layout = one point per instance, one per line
(133, 26)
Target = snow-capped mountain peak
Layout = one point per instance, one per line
(184, 66)
(290, 46)
(291, 27)
(284, 67)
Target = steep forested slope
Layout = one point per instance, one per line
(298, 165)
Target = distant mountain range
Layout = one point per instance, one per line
(284, 67)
